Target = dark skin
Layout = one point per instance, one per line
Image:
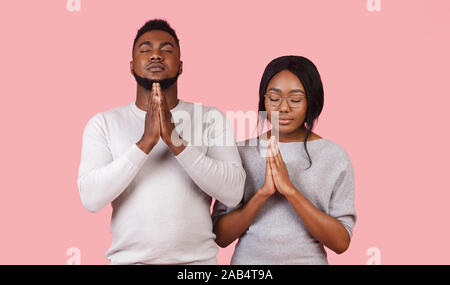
(324, 228)
(156, 56)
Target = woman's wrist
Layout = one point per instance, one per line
(289, 191)
(263, 194)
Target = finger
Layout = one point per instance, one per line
(273, 147)
(158, 88)
(272, 164)
(158, 91)
(277, 155)
(158, 114)
(154, 99)
(268, 168)
(161, 110)
(156, 105)
(156, 109)
(276, 161)
(279, 158)
(267, 162)
(150, 99)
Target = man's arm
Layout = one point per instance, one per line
(100, 178)
(219, 173)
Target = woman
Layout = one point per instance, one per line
(299, 192)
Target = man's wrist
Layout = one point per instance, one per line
(145, 145)
(177, 145)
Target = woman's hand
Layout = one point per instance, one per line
(280, 173)
(268, 189)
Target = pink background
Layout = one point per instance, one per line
(386, 102)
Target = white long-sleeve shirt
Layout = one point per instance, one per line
(161, 202)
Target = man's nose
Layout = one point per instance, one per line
(156, 55)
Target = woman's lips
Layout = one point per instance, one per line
(284, 121)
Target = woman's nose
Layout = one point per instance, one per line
(284, 107)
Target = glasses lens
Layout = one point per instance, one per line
(293, 101)
(274, 100)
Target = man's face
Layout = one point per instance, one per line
(156, 56)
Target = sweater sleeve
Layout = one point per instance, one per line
(341, 204)
(100, 178)
(217, 171)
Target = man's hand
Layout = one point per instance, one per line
(168, 132)
(152, 129)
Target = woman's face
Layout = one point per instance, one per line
(292, 104)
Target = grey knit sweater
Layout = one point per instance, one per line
(277, 234)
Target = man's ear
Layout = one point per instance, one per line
(131, 67)
(181, 67)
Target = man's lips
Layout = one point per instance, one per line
(155, 67)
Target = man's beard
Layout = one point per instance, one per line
(147, 84)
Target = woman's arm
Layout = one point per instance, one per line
(232, 225)
(326, 229)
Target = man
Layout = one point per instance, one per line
(158, 178)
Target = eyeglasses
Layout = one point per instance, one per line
(294, 101)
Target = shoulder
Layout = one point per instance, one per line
(247, 147)
(333, 151)
(199, 108)
(101, 119)
(116, 113)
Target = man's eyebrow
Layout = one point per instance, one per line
(166, 44)
(161, 45)
(145, 43)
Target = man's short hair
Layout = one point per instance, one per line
(156, 24)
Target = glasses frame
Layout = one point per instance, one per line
(281, 102)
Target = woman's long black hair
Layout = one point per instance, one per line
(309, 76)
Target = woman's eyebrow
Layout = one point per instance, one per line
(297, 91)
(274, 89)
